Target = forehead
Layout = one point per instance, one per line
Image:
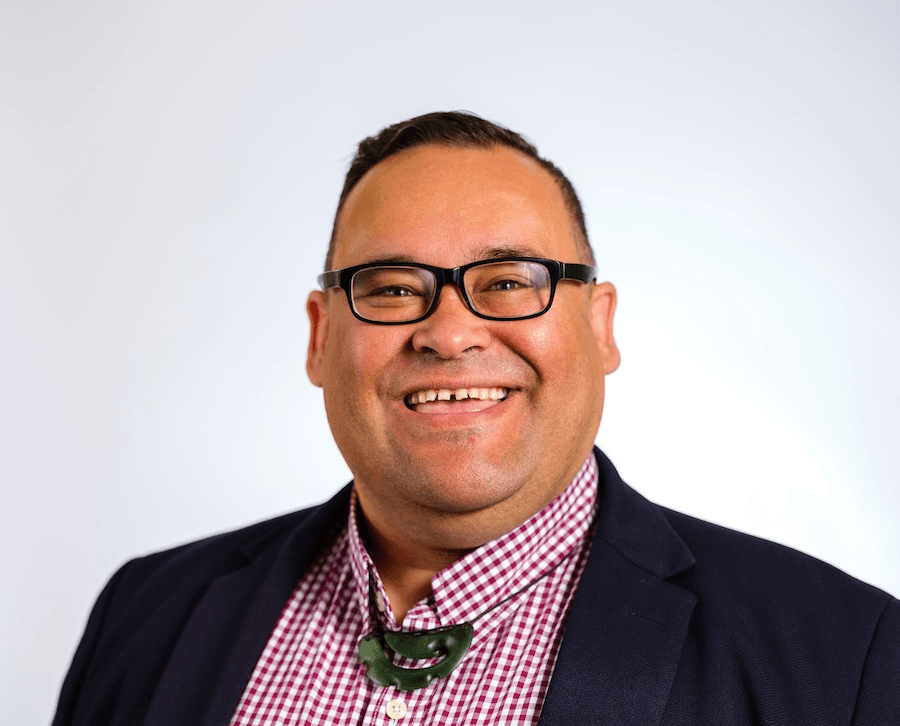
(448, 206)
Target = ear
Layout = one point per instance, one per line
(603, 308)
(317, 310)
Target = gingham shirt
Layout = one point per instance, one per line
(309, 672)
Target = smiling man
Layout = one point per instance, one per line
(486, 565)
(515, 404)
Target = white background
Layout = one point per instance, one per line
(168, 176)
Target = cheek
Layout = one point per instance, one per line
(348, 392)
(356, 361)
(561, 351)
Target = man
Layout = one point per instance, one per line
(487, 565)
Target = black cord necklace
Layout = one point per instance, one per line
(450, 641)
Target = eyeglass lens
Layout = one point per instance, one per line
(507, 289)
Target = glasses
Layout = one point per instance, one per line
(510, 288)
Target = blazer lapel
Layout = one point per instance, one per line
(231, 624)
(627, 625)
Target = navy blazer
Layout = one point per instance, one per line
(675, 621)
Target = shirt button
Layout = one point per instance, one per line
(379, 601)
(395, 709)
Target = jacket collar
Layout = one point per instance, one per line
(636, 528)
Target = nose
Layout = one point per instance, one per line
(452, 329)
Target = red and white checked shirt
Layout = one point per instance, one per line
(309, 672)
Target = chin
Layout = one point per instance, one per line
(467, 488)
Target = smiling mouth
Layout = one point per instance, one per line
(450, 400)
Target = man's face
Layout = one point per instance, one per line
(502, 459)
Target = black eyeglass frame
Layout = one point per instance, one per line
(443, 275)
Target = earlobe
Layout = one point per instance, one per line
(317, 310)
(603, 308)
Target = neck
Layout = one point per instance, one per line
(405, 567)
(410, 542)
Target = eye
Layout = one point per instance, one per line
(507, 285)
(391, 285)
(506, 278)
(393, 291)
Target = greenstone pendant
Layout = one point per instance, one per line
(451, 641)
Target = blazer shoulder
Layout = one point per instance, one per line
(155, 604)
(786, 612)
(774, 635)
(793, 639)
(758, 569)
(196, 562)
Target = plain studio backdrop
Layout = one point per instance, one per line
(168, 176)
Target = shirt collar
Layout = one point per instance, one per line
(484, 577)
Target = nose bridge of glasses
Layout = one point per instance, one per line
(450, 328)
(450, 279)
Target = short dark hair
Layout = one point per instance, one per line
(450, 128)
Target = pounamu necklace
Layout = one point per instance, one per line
(450, 641)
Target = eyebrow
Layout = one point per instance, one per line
(392, 259)
(485, 253)
(496, 252)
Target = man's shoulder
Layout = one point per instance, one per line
(197, 561)
(713, 558)
(751, 591)
(742, 583)
(782, 616)
(220, 590)
(743, 560)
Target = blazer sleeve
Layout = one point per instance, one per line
(878, 701)
(71, 688)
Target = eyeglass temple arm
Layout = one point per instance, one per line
(329, 279)
(575, 271)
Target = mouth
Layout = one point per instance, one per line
(455, 400)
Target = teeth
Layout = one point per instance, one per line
(460, 394)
